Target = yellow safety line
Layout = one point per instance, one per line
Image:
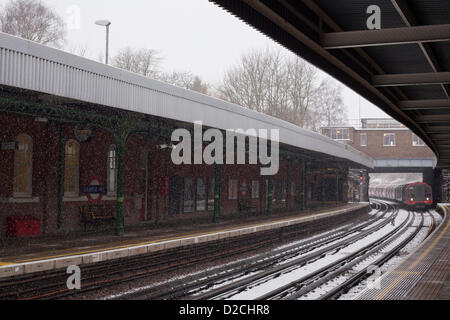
(412, 266)
(77, 253)
(150, 242)
(3, 264)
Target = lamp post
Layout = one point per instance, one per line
(105, 23)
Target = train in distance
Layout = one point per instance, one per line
(418, 195)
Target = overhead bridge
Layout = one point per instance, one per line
(403, 68)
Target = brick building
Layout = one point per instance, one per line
(393, 147)
(382, 139)
(80, 139)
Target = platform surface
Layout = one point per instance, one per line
(423, 275)
(35, 255)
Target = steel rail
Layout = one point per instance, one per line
(328, 269)
(181, 288)
(364, 274)
(280, 268)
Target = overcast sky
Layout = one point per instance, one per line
(191, 35)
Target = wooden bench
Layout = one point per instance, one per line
(97, 214)
(248, 205)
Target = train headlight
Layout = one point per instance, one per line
(428, 199)
(412, 199)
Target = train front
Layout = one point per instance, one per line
(419, 196)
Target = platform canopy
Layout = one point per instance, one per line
(57, 85)
(403, 68)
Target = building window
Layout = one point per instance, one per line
(363, 138)
(112, 171)
(255, 189)
(201, 194)
(232, 189)
(341, 134)
(417, 142)
(188, 195)
(71, 168)
(389, 140)
(337, 133)
(23, 161)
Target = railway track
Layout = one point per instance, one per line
(212, 287)
(364, 273)
(292, 287)
(52, 285)
(182, 288)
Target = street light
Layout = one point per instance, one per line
(105, 23)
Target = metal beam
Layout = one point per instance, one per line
(385, 37)
(409, 79)
(424, 104)
(437, 129)
(410, 20)
(439, 118)
(440, 136)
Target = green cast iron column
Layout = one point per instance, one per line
(303, 204)
(323, 187)
(217, 192)
(337, 186)
(121, 150)
(166, 202)
(62, 142)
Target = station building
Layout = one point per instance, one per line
(76, 135)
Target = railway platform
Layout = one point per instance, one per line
(424, 274)
(41, 255)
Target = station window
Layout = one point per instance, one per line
(417, 142)
(255, 189)
(283, 191)
(71, 168)
(292, 192)
(389, 140)
(211, 193)
(232, 189)
(112, 171)
(188, 195)
(201, 194)
(23, 161)
(277, 191)
(363, 138)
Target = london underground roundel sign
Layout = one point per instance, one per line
(94, 190)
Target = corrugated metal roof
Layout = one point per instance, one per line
(28, 65)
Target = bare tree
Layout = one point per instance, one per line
(285, 87)
(186, 80)
(32, 20)
(80, 50)
(145, 62)
(330, 104)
